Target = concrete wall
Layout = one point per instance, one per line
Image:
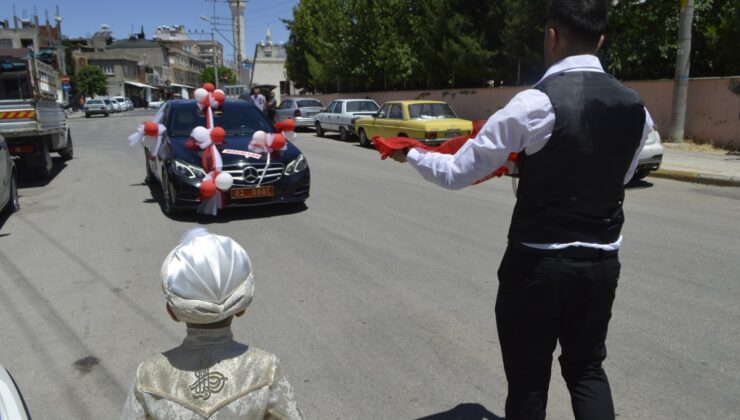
(712, 114)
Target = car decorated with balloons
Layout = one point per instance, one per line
(211, 152)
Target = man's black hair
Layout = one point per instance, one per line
(585, 20)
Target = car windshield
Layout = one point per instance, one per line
(359, 106)
(430, 111)
(14, 81)
(94, 102)
(309, 102)
(106, 101)
(236, 120)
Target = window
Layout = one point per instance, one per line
(337, 108)
(267, 54)
(14, 81)
(6, 43)
(287, 104)
(107, 68)
(396, 112)
(384, 111)
(430, 111)
(332, 107)
(237, 118)
(304, 103)
(360, 106)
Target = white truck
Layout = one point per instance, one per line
(33, 123)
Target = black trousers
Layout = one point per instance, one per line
(544, 297)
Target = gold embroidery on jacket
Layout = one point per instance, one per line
(206, 383)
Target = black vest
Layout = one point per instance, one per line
(573, 189)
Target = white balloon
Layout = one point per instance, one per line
(259, 137)
(224, 181)
(200, 94)
(201, 134)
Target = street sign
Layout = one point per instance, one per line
(66, 87)
(66, 79)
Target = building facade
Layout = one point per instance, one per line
(268, 66)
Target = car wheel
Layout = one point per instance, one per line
(640, 174)
(149, 179)
(168, 191)
(343, 135)
(69, 152)
(87, 115)
(319, 130)
(44, 170)
(14, 203)
(106, 115)
(364, 142)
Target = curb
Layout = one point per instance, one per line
(696, 177)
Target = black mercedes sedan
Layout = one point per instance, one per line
(176, 166)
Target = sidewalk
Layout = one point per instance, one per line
(687, 162)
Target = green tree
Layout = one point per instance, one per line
(225, 76)
(91, 81)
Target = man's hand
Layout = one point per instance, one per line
(399, 155)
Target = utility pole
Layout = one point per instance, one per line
(681, 82)
(213, 45)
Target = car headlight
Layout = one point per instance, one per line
(189, 171)
(296, 165)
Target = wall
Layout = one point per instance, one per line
(712, 113)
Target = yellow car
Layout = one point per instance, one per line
(430, 122)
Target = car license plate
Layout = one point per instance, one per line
(258, 192)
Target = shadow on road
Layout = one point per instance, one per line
(466, 411)
(4, 216)
(638, 184)
(224, 215)
(27, 178)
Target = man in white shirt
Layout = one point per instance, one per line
(578, 133)
(258, 100)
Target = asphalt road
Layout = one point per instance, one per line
(378, 297)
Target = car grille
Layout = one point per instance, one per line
(250, 175)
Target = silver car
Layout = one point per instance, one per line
(301, 110)
(8, 181)
(341, 114)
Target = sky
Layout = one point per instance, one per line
(84, 17)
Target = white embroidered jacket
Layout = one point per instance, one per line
(211, 376)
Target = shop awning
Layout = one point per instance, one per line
(181, 86)
(137, 84)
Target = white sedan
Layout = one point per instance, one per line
(341, 114)
(651, 156)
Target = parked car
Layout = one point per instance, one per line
(110, 105)
(129, 104)
(155, 104)
(177, 168)
(8, 180)
(301, 110)
(431, 122)
(341, 114)
(121, 101)
(651, 156)
(96, 107)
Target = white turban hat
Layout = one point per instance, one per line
(207, 278)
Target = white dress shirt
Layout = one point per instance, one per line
(524, 124)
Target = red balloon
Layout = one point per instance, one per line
(218, 97)
(278, 142)
(285, 125)
(218, 135)
(207, 188)
(151, 129)
(209, 87)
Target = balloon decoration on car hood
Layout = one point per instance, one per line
(215, 183)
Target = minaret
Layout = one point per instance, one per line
(237, 23)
